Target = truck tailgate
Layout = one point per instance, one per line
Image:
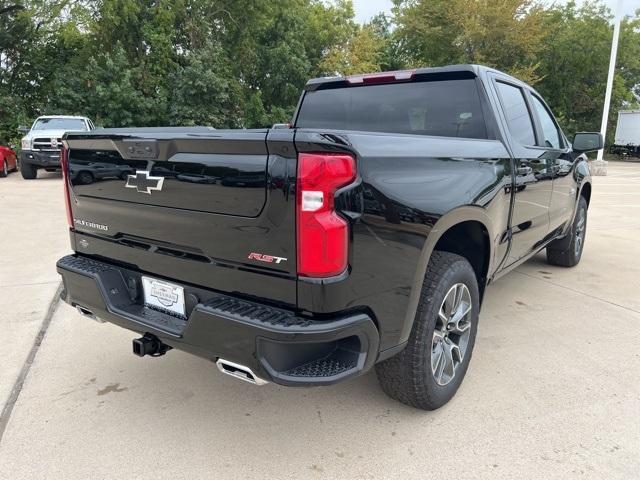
(189, 205)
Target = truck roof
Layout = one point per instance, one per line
(447, 71)
(63, 116)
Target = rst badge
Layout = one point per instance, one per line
(266, 258)
(143, 182)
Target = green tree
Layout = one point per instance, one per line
(277, 46)
(158, 62)
(574, 64)
(231, 63)
(391, 55)
(26, 31)
(205, 92)
(505, 34)
(361, 53)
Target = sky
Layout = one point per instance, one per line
(365, 9)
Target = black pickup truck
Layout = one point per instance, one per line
(363, 234)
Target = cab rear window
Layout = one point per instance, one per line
(448, 108)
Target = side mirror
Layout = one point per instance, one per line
(584, 142)
(23, 130)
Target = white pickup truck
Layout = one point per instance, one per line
(41, 144)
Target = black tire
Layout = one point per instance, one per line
(85, 178)
(4, 171)
(409, 376)
(567, 251)
(28, 171)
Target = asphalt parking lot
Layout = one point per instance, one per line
(553, 390)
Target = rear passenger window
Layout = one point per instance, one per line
(447, 108)
(549, 129)
(517, 113)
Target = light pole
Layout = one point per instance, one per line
(600, 165)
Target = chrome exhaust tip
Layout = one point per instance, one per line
(239, 371)
(85, 312)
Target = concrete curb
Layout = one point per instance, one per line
(24, 371)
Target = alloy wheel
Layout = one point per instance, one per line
(451, 334)
(580, 231)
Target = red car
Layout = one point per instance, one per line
(8, 159)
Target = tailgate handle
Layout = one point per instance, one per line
(140, 149)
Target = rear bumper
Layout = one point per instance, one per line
(276, 344)
(41, 159)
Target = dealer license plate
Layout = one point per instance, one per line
(163, 295)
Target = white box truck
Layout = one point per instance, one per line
(627, 139)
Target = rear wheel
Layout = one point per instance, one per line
(428, 372)
(5, 169)
(567, 252)
(85, 178)
(28, 171)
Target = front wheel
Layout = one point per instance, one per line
(428, 372)
(567, 251)
(4, 171)
(28, 171)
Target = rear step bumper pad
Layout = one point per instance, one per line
(275, 343)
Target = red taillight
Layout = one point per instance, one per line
(323, 235)
(64, 164)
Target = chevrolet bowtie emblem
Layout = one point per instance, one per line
(143, 182)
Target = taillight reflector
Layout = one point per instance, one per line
(322, 234)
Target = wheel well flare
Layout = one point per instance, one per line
(470, 240)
